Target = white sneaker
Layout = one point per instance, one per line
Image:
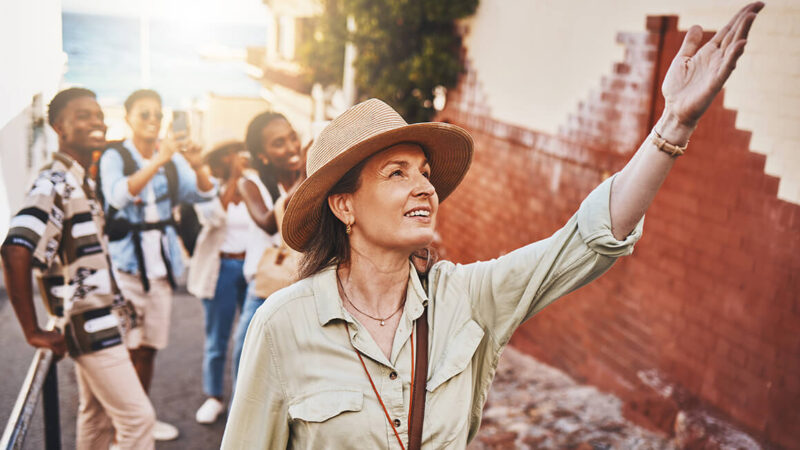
(210, 411)
(164, 431)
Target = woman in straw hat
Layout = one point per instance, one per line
(335, 360)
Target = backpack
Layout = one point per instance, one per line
(187, 227)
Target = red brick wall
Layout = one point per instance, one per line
(710, 300)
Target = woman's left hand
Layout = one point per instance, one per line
(697, 73)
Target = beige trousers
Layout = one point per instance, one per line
(153, 308)
(112, 402)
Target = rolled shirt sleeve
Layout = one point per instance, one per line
(512, 288)
(188, 191)
(38, 225)
(114, 181)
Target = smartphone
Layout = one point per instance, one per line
(180, 122)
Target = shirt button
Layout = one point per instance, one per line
(397, 422)
(393, 375)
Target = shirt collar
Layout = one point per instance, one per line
(73, 166)
(329, 304)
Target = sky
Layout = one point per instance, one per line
(231, 11)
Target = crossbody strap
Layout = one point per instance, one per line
(419, 384)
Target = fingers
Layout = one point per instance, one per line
(720, 36)
(742, 31)
(732, 54)
(728, 38)
(691, 42)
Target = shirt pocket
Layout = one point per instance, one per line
(458, 355)
(451, 388)
(324, 405)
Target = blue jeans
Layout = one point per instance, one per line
(251, 304)
(220, 312)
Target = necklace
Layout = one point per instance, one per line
(346, 297)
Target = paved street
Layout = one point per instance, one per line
(531, 405)
(176, 390)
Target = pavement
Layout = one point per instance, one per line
(176, 390)
(531, 405)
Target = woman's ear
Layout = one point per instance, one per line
(342, 207)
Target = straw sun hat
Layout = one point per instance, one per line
(360, 132)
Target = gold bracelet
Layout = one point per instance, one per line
(667, 147)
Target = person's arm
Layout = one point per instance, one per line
(263, 217)
(230, 191)
(17, 269)
(195, 183)
(139, 179)
(694, 78)
(193, 155)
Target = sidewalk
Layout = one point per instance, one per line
(176, 390)
(531, 405)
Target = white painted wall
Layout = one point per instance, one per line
(536, 59)
(32, 63)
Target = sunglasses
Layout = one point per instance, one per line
(145, 115)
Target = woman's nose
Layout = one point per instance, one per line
(424, 186)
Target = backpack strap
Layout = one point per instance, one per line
(171, 171)
(129, 166)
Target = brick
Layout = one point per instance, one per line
(710, 295)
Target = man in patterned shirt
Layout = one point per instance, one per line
(58, 232)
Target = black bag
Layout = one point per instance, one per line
(187, 226)
(117, 228)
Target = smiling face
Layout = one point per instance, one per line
(281, 146)
(144, 118)
(395, 204)
(80, 125)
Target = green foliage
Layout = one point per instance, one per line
(323, 53)
(405, 49)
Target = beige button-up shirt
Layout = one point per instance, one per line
(302, 386)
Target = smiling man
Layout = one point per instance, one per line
(58, 233)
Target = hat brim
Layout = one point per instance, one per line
(448, 148)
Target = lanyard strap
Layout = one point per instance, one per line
(419, 373)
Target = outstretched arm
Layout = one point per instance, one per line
(693, 79)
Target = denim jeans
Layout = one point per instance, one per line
(251, 304)
(220, 312)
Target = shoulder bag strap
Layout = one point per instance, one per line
(420, 381)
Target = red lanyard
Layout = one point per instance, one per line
(375, 390)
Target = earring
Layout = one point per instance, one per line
(348, 229)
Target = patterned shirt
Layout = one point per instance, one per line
(62, 223)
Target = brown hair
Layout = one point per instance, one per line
(330, 245)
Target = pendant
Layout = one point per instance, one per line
(383, 323)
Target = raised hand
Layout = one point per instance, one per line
(698, 73)
(193, 154)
